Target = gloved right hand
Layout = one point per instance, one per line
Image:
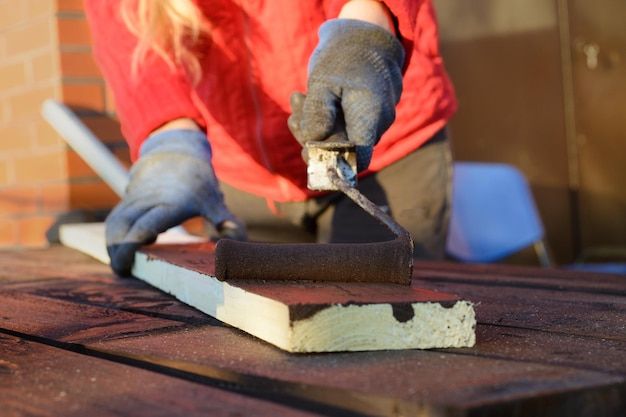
(355, 82)
(172, 181)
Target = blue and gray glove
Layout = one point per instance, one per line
(355, 77)
(172, 181)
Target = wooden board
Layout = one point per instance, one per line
(72, 315)
(89, 238)
(508, 297)
(41, 380)
(300, 316)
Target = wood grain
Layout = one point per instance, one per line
(308, 316)
(40, 380)
(533, 298)
(74, 309)
(296, 316)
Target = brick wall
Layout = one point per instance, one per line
(45, 53)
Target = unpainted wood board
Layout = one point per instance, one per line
(308, 316)
(40, 380)
(89, 238)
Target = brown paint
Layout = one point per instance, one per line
(388, 262)
(306, 298)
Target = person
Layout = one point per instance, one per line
(216, 99)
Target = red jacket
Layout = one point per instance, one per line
(256, 57)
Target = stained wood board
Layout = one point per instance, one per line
(41, 380)
(555, 300)
(473, 381)
(298, 316)
(514, 369)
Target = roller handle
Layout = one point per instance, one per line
(86, 144)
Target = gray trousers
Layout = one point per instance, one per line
(415, 191)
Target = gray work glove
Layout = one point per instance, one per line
(172, 181)
(355, 77)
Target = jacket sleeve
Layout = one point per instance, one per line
(407, 14)
(146, 100)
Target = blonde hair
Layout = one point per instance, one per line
(170, 28)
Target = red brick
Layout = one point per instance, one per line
(38, 8)
(18, 201)
(5, 116)
(13, 14)
(45, 135)
(12, 76)
(70, 5)
(27, 106)
(32, 230)
(29, 37)
(5, 174)
(42, 167)
(84, 95)
(16, 137)
(44, 67)
(8, 233)
(77, 167)
(73, 32)
(79, 64)
(92, 195)
(124, 156)
(110, 101)
(104, 128)
(54, 198)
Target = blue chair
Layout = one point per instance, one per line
(493, 214)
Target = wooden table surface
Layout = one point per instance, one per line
(77, 341)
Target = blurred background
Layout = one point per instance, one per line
(541, 86)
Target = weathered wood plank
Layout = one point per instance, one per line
(130, 295)
(510, 370)
(43, 264)
(497, 275)
(437, 380)
(454, 382)
(494, 340)
(64, 327)
(40, 380)
(68, 321)
(556, 308)
(537, 346)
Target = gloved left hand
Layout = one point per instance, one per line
(172, 181)
(355, 77)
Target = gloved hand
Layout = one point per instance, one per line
(172, 181)
(355, 77)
